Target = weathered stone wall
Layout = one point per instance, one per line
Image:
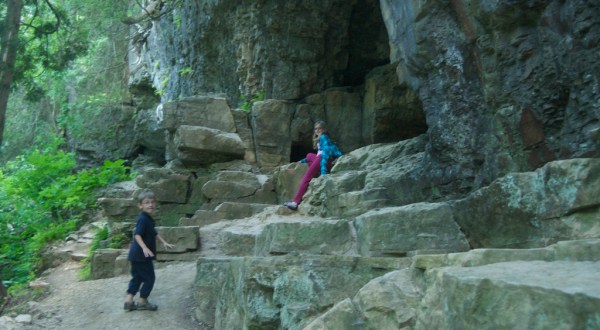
(499, 87)
(286, 49)
(505, 85)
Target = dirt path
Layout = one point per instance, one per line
(98, 304)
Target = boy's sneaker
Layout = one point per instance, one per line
(291, 205)
(147, 307)
(130, 306)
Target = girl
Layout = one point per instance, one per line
(318, 164)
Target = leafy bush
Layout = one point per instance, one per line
(43, 198)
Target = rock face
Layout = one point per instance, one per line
(287, 50)
(524, 210)
(505, 86)
(497, 88)
(498, 289)
(317, 62)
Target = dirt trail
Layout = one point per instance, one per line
(98, 304)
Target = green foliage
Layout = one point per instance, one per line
(186, 71)
(42, 198)
(248, 101)
(61, 76)
(177, 20)
(52, 39)
(164, 82)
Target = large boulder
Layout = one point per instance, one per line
(167, 185)
(279, 292)
(399, 230)
(270, 125)
(119, 209)
(508, 295)
(479, 289)
(103, 263)
(374, 176)
(231, 185)
(196, 145)
(199, 110)
(534, 209)
(287, 179)
(184, 239)
(386, 302)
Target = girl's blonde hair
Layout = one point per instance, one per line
(321, 124)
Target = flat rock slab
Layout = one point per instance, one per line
(515, 295)
(565, 276)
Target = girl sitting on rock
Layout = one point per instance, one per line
(318, 164)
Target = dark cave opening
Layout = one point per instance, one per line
(368, 42)
(298, 152)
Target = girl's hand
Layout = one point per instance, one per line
(168, 246)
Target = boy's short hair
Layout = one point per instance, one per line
(145, 194)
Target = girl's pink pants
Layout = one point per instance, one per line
(314, 170)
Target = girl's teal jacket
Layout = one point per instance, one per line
(328, 150)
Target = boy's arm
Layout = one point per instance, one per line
(167, 245)
(145, 249)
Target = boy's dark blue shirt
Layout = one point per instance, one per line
(145, 228)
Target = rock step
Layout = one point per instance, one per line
(240, 186)
(387, 232)
(544, 288)
(224, 211)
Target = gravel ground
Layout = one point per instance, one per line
(98, 304)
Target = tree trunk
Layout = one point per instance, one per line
(3, 292)
(3, 296)
(8, 54)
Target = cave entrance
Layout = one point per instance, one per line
(369, 42)
(298, 152)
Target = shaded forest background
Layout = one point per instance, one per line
(70, 56)
(62, 62)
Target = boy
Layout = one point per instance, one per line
(141, 254)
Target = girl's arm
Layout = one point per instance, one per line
(324, 142)
(328, 150)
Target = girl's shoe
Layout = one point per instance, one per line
(291, 205)
(147, 307)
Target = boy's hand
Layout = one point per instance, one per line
(168, 246)
(147, 252)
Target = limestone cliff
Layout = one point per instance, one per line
(497, 87)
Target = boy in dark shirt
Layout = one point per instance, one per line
(141, 254)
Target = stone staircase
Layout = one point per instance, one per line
(226, 196)
(260, 265)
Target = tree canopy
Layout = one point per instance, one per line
(66, 52)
